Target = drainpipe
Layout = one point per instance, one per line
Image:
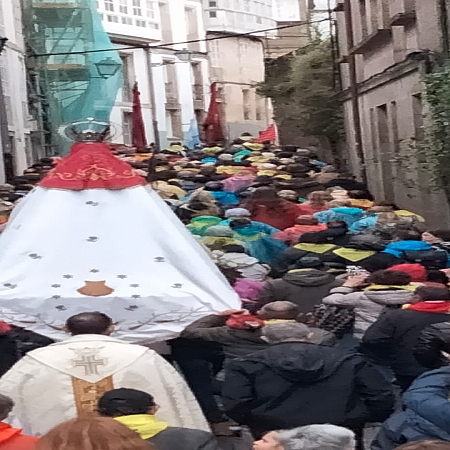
(443, 19)
(4, 132)
(354, 92)
(151, 88)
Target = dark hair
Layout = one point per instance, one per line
(233, 248)
(427, 293)
(390, 278)
(230, 273)
(425, 445)
(6, 406)
(163, 175)
(242, 222)
(360, 195)
(337, 224)
(268, 197)
(88, 323)
(441, 234)
(437, 276)
(392, 205)
(125, 402)
(407, 235)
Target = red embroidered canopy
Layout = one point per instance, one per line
(91, 165)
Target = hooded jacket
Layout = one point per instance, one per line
(425, 415)
(369, 304)
(13, 439)
(347, 214)
(293, 384)
(400, 248)
(304, 287)
(364, 251)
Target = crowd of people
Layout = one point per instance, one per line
(344, 323)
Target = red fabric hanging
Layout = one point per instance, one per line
(91, 165)
(138, 138)
(212, 125)
(270, 134)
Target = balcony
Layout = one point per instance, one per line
(402, 12)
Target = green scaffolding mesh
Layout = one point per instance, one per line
(70, 83)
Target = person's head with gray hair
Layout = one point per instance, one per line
(6, 406)
(286, 332)
(310, 437)
(279, 310)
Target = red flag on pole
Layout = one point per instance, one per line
(212, 125)
(271, 134)
(138, 138)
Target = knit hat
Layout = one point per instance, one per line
(237, 212)
(244, 321)
(417, 272)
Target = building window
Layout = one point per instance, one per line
(137, 8)
(111, 18)
(212, 14)
(127, 124)
(258, 107)
(213, 4)
(246, 104)
(150, 9)
(214, 53)
(123, 6)
(141, 23)
(127, 77)
(109, 5)
(154, 25)
(127, 21)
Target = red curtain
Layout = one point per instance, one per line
(138, 138)
(212, 126)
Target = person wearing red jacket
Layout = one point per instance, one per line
(12, 438)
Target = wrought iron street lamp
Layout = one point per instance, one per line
(3, 41)
(184, 55)
(107, 68)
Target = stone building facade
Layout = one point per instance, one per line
(385, 46)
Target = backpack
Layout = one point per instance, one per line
(432, 259)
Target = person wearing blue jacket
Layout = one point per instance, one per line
(411, 248)
(346, 214)
(223, 198)
(425, 414)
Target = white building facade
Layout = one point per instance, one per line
(180, 87)
(237, 62)
(16, 125)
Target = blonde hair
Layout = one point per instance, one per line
(92, 433)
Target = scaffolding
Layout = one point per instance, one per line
(64, 83)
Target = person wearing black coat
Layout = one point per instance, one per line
(315, 244)
(432, 343)
(294, 382)
(393, 338)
